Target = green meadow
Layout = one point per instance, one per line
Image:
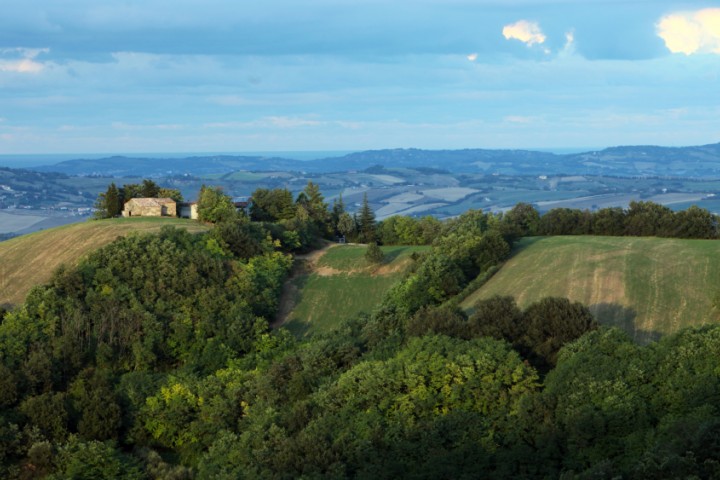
(648, 286)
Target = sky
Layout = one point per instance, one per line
(88, 76)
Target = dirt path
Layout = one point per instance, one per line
(303, 265)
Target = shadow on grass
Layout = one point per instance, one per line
(290, 299)
(523, 243)
(616, 315)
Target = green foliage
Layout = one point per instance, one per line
(520, 221)
(641, 219)
(373, 254)
(78, 460)
(272, 205)
(366, 226)
(109, 204)
(402, 230)
(241, 238)
(551, 323)
(162, 342)
(214, 206)
(346, 225)
(173, 193)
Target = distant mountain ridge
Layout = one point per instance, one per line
(691, 161)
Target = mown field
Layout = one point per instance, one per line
(31, 259)
(648, 286)
(340, 284)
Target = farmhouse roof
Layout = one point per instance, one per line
(151, 202)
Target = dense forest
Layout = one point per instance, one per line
(153, 358)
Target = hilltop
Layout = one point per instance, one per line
(647, 286)
(31, 259)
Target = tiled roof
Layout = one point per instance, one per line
(151, 202)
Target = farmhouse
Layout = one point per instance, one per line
(150, 207)
(188, 210)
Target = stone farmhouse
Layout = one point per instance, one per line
(167, 207)
(150, 207)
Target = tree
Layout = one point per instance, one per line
(173, 193)
(497, 317)
(609, 221)
(551, 323)
(366, 222)
(214, 206)
(272, 205)
(338, 209)
(316, 206)
(346, 225)
(149, 189)
(373, 254)
(645, 219)
(109, 203)
(521, 221)
(112, 201)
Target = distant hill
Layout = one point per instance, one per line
(692, 161)
(647, 286)
(31, 259)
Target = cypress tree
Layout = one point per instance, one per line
(113, 206)
(366, 222)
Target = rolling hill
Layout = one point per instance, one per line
(31, 259)
(338, 283)
(647, 286)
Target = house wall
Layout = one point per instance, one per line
(188, 211)
(132, 209)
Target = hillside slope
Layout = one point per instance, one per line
(31, 259)
(647, 286)
(337, 284)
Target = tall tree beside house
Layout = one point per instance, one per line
(214, 206)
(366, 222)
(173, 193)
(149, 189)
(130, 191)
(112, 201)
(109, 203)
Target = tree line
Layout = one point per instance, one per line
(640, 219)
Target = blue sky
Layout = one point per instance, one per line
(88, 76)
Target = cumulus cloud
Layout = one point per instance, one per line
(527, 32)
(21, 60)
(691, 32)
(472, 57)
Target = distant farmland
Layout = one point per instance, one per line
(647, 286)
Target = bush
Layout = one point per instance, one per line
(374, 254)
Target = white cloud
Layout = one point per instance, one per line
(292, 122)
(569, 47)
(691, 32)
(25, 64)
(527, 32)
(472, 57)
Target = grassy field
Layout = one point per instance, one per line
(339, 285)
(31, 259)
(648, 286)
